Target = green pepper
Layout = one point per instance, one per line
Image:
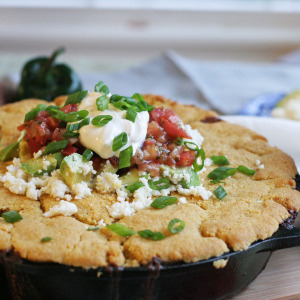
(42, 78)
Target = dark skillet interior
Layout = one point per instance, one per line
(199, 280)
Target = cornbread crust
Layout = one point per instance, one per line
(253, 208)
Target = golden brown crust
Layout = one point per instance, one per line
(253, 208)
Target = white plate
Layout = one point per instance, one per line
(285, 134)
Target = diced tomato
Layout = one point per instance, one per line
(69, 150)
(169, 121)
(57, 134)
(53, 123)
(33, 146)
(96, 162)
(69, 108)
(186, 158)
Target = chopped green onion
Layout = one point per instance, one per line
(46, 239)
(245, 170)
(102, 88)
(221, 173)
(174, 228)
(119, 141)
(116, 98)
(121, 105)
(76, 116)
(125, 157)
(88, 154)
(135, 186)
(179, 141)
(12, 216)
(149, 234)
(220, 192)
(70, 134)
(162, 202)
(73, 127)
(56, 146)
(50, 107)
(32, 114)
(217, 181)
(141, 103)
(101, 120)
(102, 103)
(76, 97)
(191, 146)
(120, 229)
(160, 184)
(93, 228)
(196, 166)
(56, 113)
(84, 122)
(219, 160)
(9, 152)
(131, 114)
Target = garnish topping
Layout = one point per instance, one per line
(221, 173)
(120, 229)
(93, 228)
(32, 114)
(149, 234)
(220, 192)
(88, 154)
(160, 184)
(131, 114)
(102, 88)
(125, 157)
(176, 225)
(196, 166)
(56, 146)
(76, 97)
(246, 170)
(219, 160)
(162, 202)
(119, 141)
(101, 120)
(12, 216)
(102, 103)
(135, 186)
(46, 239)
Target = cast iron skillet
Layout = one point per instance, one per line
(200, 280)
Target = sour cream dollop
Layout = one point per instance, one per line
(100, 139)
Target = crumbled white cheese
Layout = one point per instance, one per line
(259, 164)
(46, 164)
(196, 191)
(101, 223)
(182, 200)
(197, 138)
(63, 208)
(81, 190)
(262, 166)
(37, 154)
(108, 182)
(208, 162)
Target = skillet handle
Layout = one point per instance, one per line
(283, 238)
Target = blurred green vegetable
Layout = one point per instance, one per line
(44, 79)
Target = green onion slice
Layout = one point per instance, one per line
(84, 122)
(88, 154)
(119, 141)
(120, 229)
(122, 105)
(115, 98)
(245, 170)
(131, 114)
(176, 225)
(135, 186)
(162, 202)
(101, 120)
(52, 107)
(191, 146)
(46, 239)
(179, 141)
(72, 127)
(76, 97)
(12, 216)
(221, 173)
(76, 116)
(125, 157)
(220, 192)
(196, 166)
(102, 103)
(160, 184)
(70, 134)
(149, 234)
(141, 103)
(32, 114)
(56, 146)
(102, 88)
(219, 160)
(93, 228)
(56, 113)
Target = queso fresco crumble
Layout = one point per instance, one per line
(103, 143)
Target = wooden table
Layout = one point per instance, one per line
(279, 280)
